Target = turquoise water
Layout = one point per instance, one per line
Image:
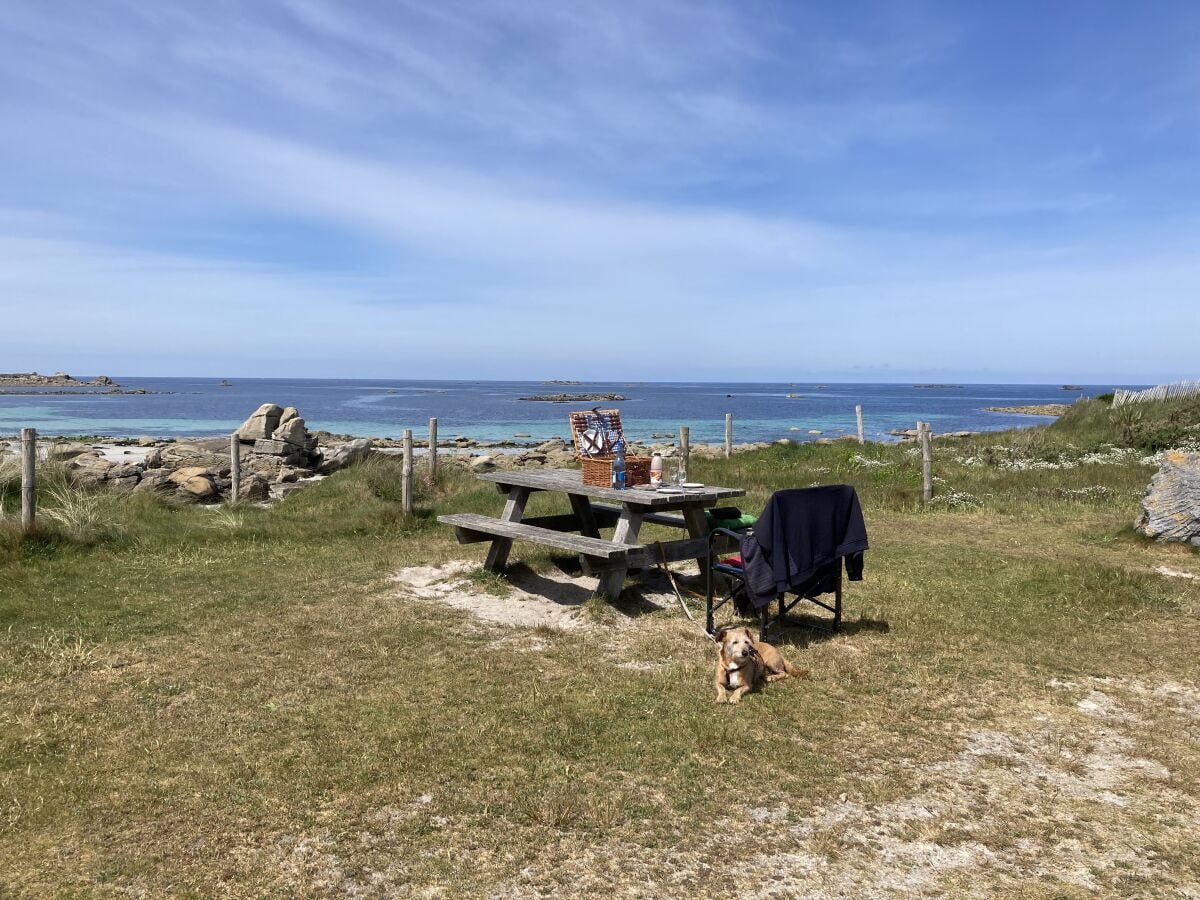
(484, 410)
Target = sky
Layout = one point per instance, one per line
(657, 189)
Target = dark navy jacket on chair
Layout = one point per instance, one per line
(801, 540)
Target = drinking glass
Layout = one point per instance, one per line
(679, 473)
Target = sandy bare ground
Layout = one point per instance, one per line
(554, 599)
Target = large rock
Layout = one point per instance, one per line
(154, 481)
(64, 450)
(199, 487)
(267, 466)
(125, 470)
(346, 455)
(89, 468)
(1171, 507)
(182, 476)
(286, 452)
(254, 488)
(261, 424)
(483, 463)
(125, 483)
(292, 431)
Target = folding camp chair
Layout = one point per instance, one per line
(824, 581)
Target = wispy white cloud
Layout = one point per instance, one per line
(480, 169)
(465, 214)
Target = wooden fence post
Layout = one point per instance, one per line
(235, 467)
(684, 448)
(728, 435)
(858, 415)
(28, 480)
(925, 436)
(432, 450)
(406, 472)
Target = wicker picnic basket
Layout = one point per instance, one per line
(596, 432)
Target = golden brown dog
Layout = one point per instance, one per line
(742, 662)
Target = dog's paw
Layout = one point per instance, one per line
(735, 699)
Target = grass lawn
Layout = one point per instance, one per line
(244, 702)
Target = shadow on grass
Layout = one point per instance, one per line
(803, 630)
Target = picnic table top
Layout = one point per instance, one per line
(570, 481)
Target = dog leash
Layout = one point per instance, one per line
(662, 555)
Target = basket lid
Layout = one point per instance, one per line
(596, 431)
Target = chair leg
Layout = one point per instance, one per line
(764, 615)
(708, 596)
(837, 600)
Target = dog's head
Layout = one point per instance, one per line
(736, 644)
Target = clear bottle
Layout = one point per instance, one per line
(618, 466)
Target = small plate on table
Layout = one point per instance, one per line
(671, 490)
(692, 484)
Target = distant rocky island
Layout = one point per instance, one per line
(573, 398)
(927, 386)
(560, 381)
(62, 380)
(58, 379)
(1040, 409)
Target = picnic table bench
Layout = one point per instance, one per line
(579, 530)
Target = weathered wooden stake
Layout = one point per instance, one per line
(925, 436)
(235, 467)
(432, 450)
(406, 472)
(858, 415)
(684, 448)
(28, 479)
(728, 435)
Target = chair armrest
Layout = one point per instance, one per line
(728, 532)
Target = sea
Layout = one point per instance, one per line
(494, 410)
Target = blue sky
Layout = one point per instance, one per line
(642, 190)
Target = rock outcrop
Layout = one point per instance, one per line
(1171, 507)
(276, 431)
(261, 424)
(346, 455)
(58, 379)
(277, 455)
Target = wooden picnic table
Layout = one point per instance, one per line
(579, 530)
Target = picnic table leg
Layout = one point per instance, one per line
(626, 532)
(514, 508)
(582, 507)
(697, 526)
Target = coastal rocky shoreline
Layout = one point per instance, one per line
(61, 380)
(58, 379)
(278, 455)
(1039, 409)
